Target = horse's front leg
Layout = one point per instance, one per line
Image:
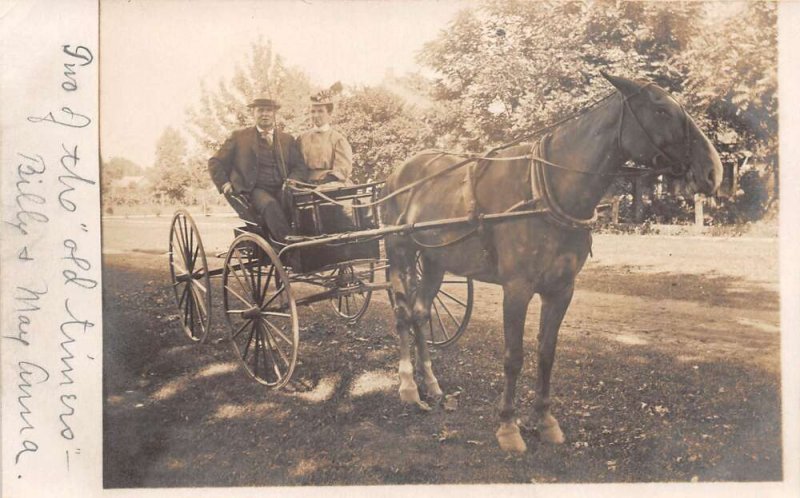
(516, 297)
(554, 306)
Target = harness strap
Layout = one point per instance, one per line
(541, 189)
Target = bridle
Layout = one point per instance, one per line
(541, 188)
(677, 167)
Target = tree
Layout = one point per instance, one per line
(114, 170)
(732, 83)
(382, 130)
(118, 167)
(224, 109)
(170, 176)
(507, 68)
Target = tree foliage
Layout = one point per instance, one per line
(224, 108)
(509, 67)
(506, 68)
(119, 167)
(382, 130)
(732, 82)
(170, 175)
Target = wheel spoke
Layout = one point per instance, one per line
(447, 310)
(194, 256)
(275, 313)
(275, 296)
(258, 348)
(199, 301)
(188, 246)
(191, 245)
(249, 341)
(232, 270)
(462, 303)
(278, 332)
(186, 305)
(183, 270)
(249, 288)
(265, 288)
(274, 363)
(266, 350)
(240, 298)
(181, 241)
(249, 273)
(197, 284)
(274, 347)
(190, 302)
(183, 295)
(244, 325)
(258, 284)
(441, 324)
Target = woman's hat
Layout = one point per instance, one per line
(328, 96)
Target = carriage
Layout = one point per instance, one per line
(524, 224)
(265, 282)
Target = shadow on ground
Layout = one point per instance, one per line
(179, 414)
(712, 289)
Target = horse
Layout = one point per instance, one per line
(562, 176)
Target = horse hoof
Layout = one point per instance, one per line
(410, 395)
(433, 390)
(509, 438)
(550, 432)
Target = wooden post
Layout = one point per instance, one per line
(698, 211)
(615, 210)
(638, 205)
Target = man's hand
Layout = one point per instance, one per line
(227, 188)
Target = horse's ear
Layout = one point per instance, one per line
(624, 85)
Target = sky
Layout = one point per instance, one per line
(155, 54)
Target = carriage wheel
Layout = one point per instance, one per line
(190, 280)
(261, 311)
(450, 310)
(348, 304)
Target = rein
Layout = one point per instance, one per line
(541, 188)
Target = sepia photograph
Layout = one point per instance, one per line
(360, 243)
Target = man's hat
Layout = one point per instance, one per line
(264, 102)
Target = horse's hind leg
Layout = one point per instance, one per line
(554, 306)
(427, 288)
(516, 297)
(401, 264)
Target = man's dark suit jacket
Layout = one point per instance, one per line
(236, 160)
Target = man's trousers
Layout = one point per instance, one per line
(266, 203)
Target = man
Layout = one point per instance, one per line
(325, 150)
(255, 162)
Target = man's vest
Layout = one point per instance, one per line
(269, 176)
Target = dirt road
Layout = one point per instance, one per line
(667, 370)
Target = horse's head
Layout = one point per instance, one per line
(655, 129)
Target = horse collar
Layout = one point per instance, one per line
(542, 190)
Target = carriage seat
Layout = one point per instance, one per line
(327, 211)
(317, 212)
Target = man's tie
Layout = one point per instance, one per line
(266, 135)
